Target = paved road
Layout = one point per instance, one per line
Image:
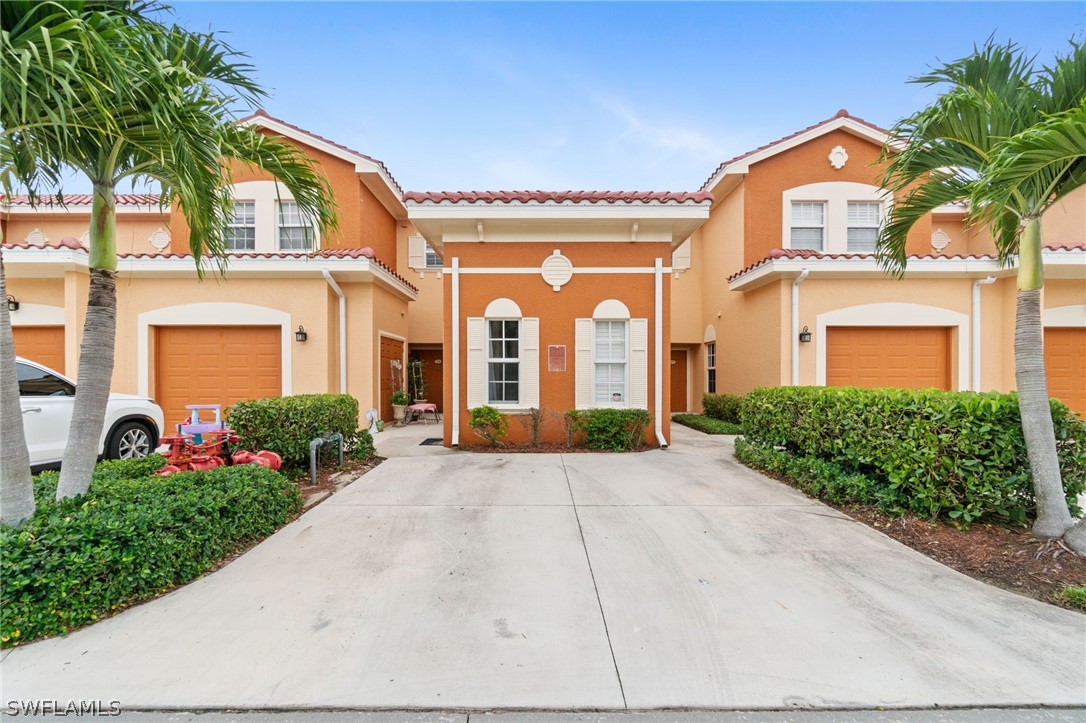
(666, 579)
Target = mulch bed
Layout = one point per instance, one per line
(553, 448)
(328, 476)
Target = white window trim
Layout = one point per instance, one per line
(625, 403)
(231, 224)
(836, 195)
(488, 360)
(792, 224)
(265, 195)
(710, 367)
(279, 226)
(877, 225)
(427, 252)
(893, 314)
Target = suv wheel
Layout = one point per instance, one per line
(130, 440)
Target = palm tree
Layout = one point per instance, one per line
(1007, 137)
(174, 126)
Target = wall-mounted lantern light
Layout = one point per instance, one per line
(300, 335)
(805, 336)
(13, 305)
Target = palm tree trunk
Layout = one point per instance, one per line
(96, 352)
(16, 487)
(1053, 515)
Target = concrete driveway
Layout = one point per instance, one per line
(671, 578)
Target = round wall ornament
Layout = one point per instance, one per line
(557, 270)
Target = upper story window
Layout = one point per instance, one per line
(241, 227)
(710, 367)
(833, 216)
(808, 225)
(503, 361)
(295, 232)
(433, 261)
(863, 226)
(610, 357)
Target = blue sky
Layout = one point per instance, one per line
(640, 96)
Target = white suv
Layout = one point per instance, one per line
(132, 429)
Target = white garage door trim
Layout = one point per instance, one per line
(212, 313)
(893, 314)
(38, 315)
(1073, 315)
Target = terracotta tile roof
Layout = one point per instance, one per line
(839, 114)
(367, 253)
(819, 256)
(83, 199)
(261, 113)
(556, 197)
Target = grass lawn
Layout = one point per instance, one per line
(708, 425)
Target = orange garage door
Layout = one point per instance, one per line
(905, 357)
(42, 344)
(1065, 363)
(215, 365)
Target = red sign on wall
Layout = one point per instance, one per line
(556, 358)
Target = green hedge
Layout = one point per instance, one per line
(724, 407)
(131, 537)
(933, 453)
(816, 477)
(286, 425)
(614, 430)
(705, 424)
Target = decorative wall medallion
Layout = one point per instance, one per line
(838, 157)
(939, 239)
(160, 239)
(85, 238)
(557, 270)
(36, 238)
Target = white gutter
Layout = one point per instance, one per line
(795, 325)
(342, 330)
(455, 352)
(658, 326)
(975, 321)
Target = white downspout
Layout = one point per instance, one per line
(975, 321)
(342, 330)
(658, 326)
(455, 352)
(795, 326)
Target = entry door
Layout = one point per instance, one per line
(431, 373)
(678, 380)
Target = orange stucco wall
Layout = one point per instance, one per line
(133, 230)
(556, 312)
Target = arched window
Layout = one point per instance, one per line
(503, 357)
(612, 358)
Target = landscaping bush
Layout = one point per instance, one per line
(616, 430)
(724, 407)
(488, 423)
(933, 453)
(705, 424)
(131, 537)
(286, 425)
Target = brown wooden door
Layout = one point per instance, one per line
(391, 378)
(904, 357)
(41, 344)
(215, 365)
(1065, 364)
(431, 374)
(678, 380)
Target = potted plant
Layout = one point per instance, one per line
(399, 405)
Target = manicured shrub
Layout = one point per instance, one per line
(724, 407)
(615, 430)
(128, 539)
(489, 423)
(286, 425)
(705, 424)
(817, 477)
(360, 445)
(933, 453)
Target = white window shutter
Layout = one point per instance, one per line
(476, 392)
(584, 367)
(529, 362)
(680, 258)
(639, 363)
(416, 252)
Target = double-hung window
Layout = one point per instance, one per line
(433, 261)
(863, 226)
(503, 361)
(295, 231)
(241, 227)
(808, 225)
(611, 358)
(710, 366)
